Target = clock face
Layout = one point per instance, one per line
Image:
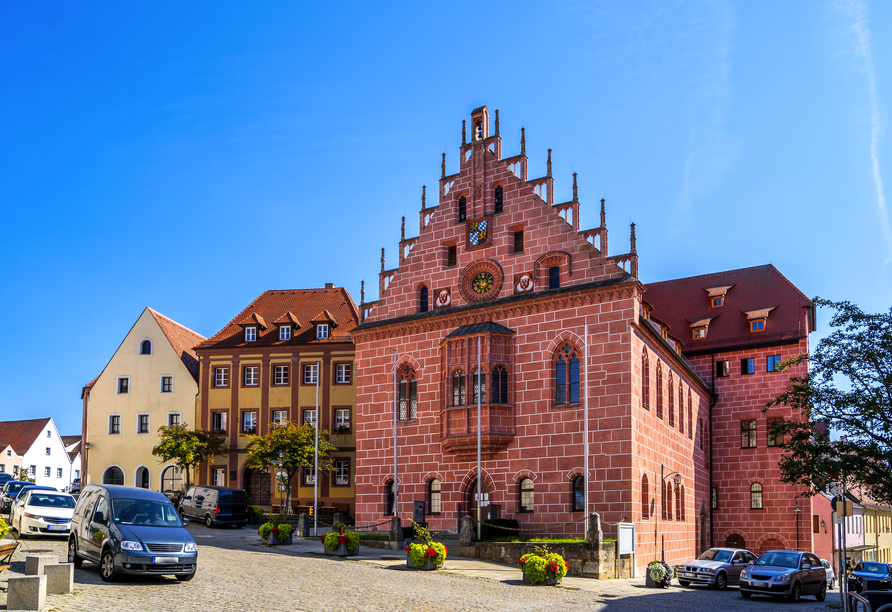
(482, 283)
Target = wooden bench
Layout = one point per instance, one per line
(6, 553)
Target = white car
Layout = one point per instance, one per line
(831, 576)
(42, 512)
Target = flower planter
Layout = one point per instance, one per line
(341, 551)
(273, 540)
(549, 581)
(427, 567)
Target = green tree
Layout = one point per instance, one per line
(296, 443)
(188, 448)
(847, 391)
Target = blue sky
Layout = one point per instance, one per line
(188, 156)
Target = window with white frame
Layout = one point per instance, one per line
(221, 377)
(310, 417)
(322, 331)
(311, 373)
(167, 384)
(77, 473)
(32, 470)
(142, 423)
(342, 472)
(114, 424)
(285, 332)
(145, 347)
(58, 472)
(279, 417)
(252, 375)
(219, 477)
(249, 422)
(280, 375)
(48, 450)
(218, 422)
(49, 434)
(174, 418)
(8, 452)
(250, 334)
(46, 471)
(342, 420)
(309, 475)
(123, 384)
(342, 373)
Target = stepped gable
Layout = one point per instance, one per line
(290, 304)
(685, 302)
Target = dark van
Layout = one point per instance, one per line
(216, 506)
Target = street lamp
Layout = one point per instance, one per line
(797, 510)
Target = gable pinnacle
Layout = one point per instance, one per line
(603, 214)
(523, 141)
(382, 260)
(403, 229)
(423, 197)
(464, 132)
(362, 292)
(634, 249)
(443, 167)
(497, 122)
(575, 194)
(548, 173)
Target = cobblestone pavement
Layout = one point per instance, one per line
(236, 573)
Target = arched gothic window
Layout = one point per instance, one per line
(664, 494)
(422, 306)
(113, 476)
(690, 417)
(433, 490)
(660, 390)
(645, 380)
(145, 347)
(755, 496)
(479, 387)
(408, 393)
(458, 388)
(499, 385)
(678, 502)
(645, 497)
(566, 375)
(671, 400)
(525, 487)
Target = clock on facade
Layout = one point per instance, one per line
(481, 280)
(482, 283)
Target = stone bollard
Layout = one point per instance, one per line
(396, 533)
(34, 564)
(467, 530)
(303, 525)
(26, 593)
(59, 579)
(593, 535)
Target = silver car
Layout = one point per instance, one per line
(716, 567)
(785, 573)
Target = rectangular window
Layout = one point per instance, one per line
(451, 255)
(699, 333)
(773, 362)
(343, 373)
(772, 439)
(249, 422)
(173, 418)
(554, 277)
(142, 423)
(462, 209)
(2, 468)
(717, 301)
(518, 241)
(167, 384)
(322, 331)
(252, 376)
(48, 450)
(114, 424)
(58, 472)
(285, 332)
(816, 523)
(498, 199)
(757, 326)
(49, 434)
(311, 373)
(123, 384)
(32, 470)
(46, 472)
(279, 417)
(310, 417)
(219, 477)
(280, 375)
(342, 420)
(715, 498)
(250, 334)
(723, 369)
(748, 434)
(218, 422)
(342, 472)
(748, 366)
(221, 377)
(309, 475)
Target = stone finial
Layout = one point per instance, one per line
(548, 173)
(382, 260)
(443, 167)
(403, 229)
(497, 122)
(523, 141)
(593, 535)
(603, 214)
(634, 249)
(362, 292)
(575, 192)
(424, 197)
(464, 132)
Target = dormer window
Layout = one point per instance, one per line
(250, 334)
(322, 331)
(699, 328)
(699, 333)
(717, 295)
(758, 319)
(757, 325)
(285, 333)
(718, 301)
(325, 323)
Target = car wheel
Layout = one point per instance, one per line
(684, 583)
(22, 535)
(182, 513)
(721, 581)
(796, 593)
(72, 554)
(209, 521)
(185, 577)
(822, 594)
(746, 594)
(107, 570)
(832, 585)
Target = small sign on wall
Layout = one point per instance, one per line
(626, 538)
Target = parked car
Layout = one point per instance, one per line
(831, 574)
(126, 530)
(38, 511)
(716, 567)
(216, 506)
(75, 486)
(22, 490)
(785, 573)
(10, 490)
(879, 575)
(4, 478)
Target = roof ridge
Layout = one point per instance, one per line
(684, 278)
(155, 312)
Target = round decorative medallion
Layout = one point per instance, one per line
(481, 280)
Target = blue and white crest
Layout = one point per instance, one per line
(477, 232)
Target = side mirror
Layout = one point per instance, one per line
(185, 520)
(806, 566)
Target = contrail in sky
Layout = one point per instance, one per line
(857, 11)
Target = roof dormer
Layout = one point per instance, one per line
(253, 324)
(717, 296)
(288, 326)
(324, 323)
(700, 328)
(758, 319)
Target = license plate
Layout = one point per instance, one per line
(164, 560)
(57, 527)
(761, 585)
(687, 574)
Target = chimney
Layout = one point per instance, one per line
(329, 285)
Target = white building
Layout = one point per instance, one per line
(36, 448)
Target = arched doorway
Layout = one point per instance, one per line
(471, 501)
(142, 477)
(735, 541)
(258, 487)
(171, 479)
(113, 476)
(771, 544)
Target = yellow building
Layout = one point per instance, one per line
(262, 368)
(150, 381)
(877, 531)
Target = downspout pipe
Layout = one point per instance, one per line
(711, 405)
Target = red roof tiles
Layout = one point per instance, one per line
(20, 435)
(287, 319)
(183, 341)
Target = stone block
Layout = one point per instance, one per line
(26, 593)
(35, 564)
(59, 578)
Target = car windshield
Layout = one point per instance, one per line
(51, 501)
(779, 559)
(875, 568)
(14, 487)
(722, 556)
(24, 489)
(144, 512)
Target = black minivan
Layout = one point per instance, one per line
(216, 506)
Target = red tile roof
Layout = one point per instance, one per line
(68, 441)
(20, 435)
(183, 341)
(679, 302)
(253, 319)
(287, 319)
(324, 317)
(302, 304)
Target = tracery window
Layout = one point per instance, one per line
(660, 390)
(671, 401)
(458, 388)
(566, 375)
(479, 386)
(499, 385)
(408, 393)
(645, 381)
